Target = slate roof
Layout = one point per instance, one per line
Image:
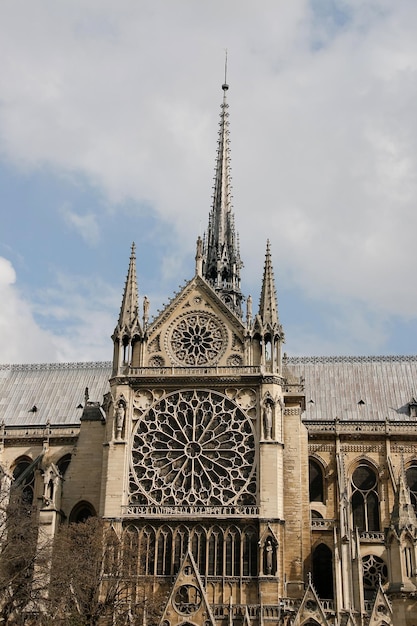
(349, 388)
(357, 388)
(55, 389)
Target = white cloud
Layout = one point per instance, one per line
(323, 129)
(86, 225)
(22, 339)
(84, 309)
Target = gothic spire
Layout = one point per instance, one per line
(221, 257)
(268, 305)
(403, 515)
(128, 317)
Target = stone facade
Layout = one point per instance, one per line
(257, 489)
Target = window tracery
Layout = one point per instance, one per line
(374, 570)
(196, 448)
(24, 477)
(197, 339)
(365, 499)
(220, 551)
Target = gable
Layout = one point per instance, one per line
(196, 330)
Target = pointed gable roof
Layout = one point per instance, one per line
(381, 609)
(188, 599)
(311, 608)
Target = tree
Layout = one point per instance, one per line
(91, 579)
(24, 563)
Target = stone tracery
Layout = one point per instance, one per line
(197, 338)
(193, 447)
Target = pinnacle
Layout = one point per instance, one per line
(268, 305)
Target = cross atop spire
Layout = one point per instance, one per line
(221, 256)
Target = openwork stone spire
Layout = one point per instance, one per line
(268, 305)
(128, 318)
(221, 257)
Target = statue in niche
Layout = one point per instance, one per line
(268, 420)
(269, 557)
(51, 481)
(120, 418)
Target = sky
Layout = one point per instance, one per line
(109, 115)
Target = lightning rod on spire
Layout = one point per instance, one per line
(225, 86)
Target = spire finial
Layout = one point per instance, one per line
(225, 86)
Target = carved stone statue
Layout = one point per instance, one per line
(268, 420)
(269, 553)
(120, 418)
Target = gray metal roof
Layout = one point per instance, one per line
(349, 388)
(357, 388)
(55, 389)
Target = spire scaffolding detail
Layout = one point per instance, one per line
(221, 257)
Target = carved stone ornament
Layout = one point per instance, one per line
(187, 599)
(193, 448)
(197, 338)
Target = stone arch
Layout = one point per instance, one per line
(63, 463)
(233, 551)
(199, 548)
(364, 490)
(316, 473)
(24, 478)
(164, 551)
(215, 551)
(81, 512)
(322, 560)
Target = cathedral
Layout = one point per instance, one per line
(257, 489)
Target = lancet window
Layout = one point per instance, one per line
(218, 551)
(24, 478)
(323, 571)
(365, 499)
(316, 481)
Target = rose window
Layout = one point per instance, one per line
(193, 447)
(197, 339)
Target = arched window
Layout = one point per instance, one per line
(411, 475)
(215, 553)
(24, 479)
(180, 546)
(365, 500)
(147, 548)
(250, 553)
(63, 464)
(316, 481)
(130, 551)
(164, 552)
(374, 569)
(81, 512)
(323, 571)
(233, 552)
(199, 547)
